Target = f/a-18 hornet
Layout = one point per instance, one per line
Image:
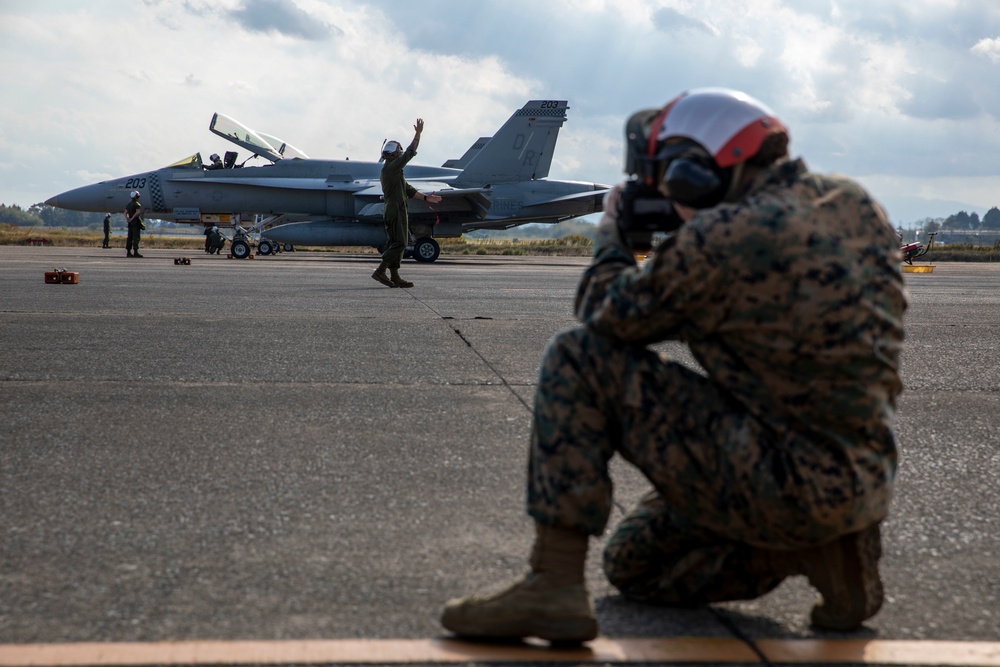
(499, 183)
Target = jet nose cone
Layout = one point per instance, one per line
(94, 198)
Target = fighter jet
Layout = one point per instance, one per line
(499, 183)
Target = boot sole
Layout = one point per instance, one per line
(567, 631)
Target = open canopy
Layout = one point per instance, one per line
(285, 149)
(243, 136)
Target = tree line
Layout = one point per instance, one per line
(964, 222)
(961, 227)
(42, 215)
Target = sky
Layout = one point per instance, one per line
(902, 95)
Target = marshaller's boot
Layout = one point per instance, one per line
(550, 602)
(844, 571)
(380, 276)
(397, 281)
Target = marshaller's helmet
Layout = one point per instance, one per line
(135, 194)
(389, 149)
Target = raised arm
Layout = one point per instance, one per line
(418, 128)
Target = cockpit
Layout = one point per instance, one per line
(192, 161)
(195, 162)
(258, 143)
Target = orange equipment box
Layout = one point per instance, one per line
(62, 277)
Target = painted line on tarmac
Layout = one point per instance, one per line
(445, 651)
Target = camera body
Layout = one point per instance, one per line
(684, 167)
(642, 212)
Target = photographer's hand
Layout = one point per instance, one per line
(685, 213)
(607, 228)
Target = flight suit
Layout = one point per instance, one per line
(396, 192)
(135, 227)
(215, 242)
(791, 300)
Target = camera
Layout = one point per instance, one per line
(686, 169)
(642, 209)
(642, 212)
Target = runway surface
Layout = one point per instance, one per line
(281, 454)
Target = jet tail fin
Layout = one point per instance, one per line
(461, 162)
(522, 149)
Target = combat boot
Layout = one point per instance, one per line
(380, 276)
(397, 281)
(550, 602)
(844, 571)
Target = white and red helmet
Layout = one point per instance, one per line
(691, 145)
(729, 124)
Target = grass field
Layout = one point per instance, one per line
(573, 245)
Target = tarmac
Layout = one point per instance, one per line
(281, 461)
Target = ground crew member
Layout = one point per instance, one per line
(216, 241)
(133, 219)
(778, 459)
(396, 191)
(107, 231)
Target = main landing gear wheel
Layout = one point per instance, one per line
(265, 247)
(240, 249)
(426, 249)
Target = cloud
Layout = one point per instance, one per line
(930, 99)
(990, 48)
(283, 17)
(895, 92)
(670, 20)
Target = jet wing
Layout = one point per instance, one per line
(453, 199)
(280, 183)
(578, 195)
(427, 187)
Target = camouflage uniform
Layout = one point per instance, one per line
(396, 192)
(792, 302)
